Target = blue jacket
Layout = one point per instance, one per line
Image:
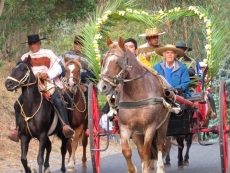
(180, 77)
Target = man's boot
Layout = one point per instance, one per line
(61, 109)
(14, 134)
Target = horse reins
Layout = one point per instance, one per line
(119, 78)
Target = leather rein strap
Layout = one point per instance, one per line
(140, 103)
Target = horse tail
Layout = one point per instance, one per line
(212, 102)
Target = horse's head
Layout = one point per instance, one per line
(73, 75)
(114, 66)
(20, 75)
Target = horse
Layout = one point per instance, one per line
(210, 113)
(37, 115)
(75, 89)
(142, 113)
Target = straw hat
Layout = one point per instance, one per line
(151, 32)
(171, 47)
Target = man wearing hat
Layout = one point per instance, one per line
(183, 46)
(46, 63)
(175, 72)
(76, 54)
(145, 51)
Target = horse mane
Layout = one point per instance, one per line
(70, 61)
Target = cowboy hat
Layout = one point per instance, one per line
(182, 45)
(151, 32)
(171, 47)
(33, 38)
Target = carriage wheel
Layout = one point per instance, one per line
(223, 128)
(93, 117)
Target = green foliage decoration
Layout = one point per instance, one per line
(98, 28)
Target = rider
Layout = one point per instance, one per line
(175, 72)
(76, 54)
(46, 63)
(147, 50)
(131, 44)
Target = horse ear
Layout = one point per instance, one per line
(65, 59)
(121, 43)
(29, 58)
(108, 41)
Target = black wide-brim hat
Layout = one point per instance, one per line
(182, 45)
(33, 38)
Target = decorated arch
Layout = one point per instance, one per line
(96, 31)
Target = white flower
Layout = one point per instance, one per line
(205, 19)
(161, 12)
(197, 11)
(171, 11)
(191, 8)
(104, 18)
(94, 41)
(108, 12)
(136, 12)
(129, 10)
(201, 15)
(97, 37)
(205, 61)
(177, 9)
(121, 13)
(96, 50)
(207, 46)
(209, 31)
(144, 13)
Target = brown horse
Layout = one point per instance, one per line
(76, 90)
(142, 113)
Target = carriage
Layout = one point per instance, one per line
(189, 123)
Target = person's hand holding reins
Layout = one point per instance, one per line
(43, 76)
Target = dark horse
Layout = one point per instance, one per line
(37, 115)
(76, 91)
(142, 113)
(209, 113)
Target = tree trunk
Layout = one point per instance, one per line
(1, 6)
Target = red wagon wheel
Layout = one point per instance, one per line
(93, 118)
(223, 128)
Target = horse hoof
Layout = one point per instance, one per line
(47, 170)
(167, 164)
(180, 167)
(71, 169)
(186, 163)
(135, 170)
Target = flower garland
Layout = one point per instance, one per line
(161, 15)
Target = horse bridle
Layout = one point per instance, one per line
(23, 79)
(120, 77)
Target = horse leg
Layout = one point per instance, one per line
(146, 153)
(84, 144)
(74, 148)
(24, 150)
(43, 141)
(180, 142)
(189, 143)
(69, 148)
(167, 160)
(48, 150)
(126, 150)
(63, 153)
